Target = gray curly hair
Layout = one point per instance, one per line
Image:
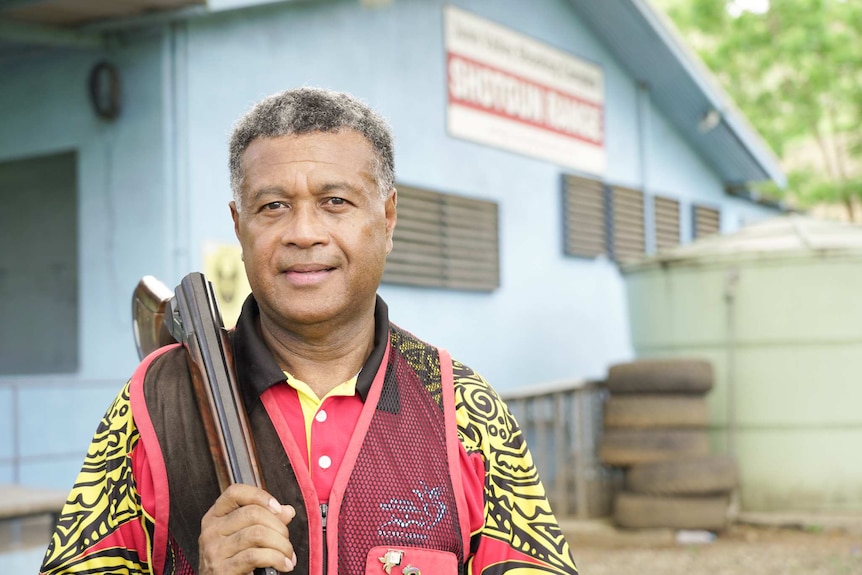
(305, 110)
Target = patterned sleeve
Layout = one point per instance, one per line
(103, 527)
(520, 532)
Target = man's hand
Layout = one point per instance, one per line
(245, 528)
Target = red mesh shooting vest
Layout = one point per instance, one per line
(401, 492)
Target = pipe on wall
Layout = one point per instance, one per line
(176, 199)
(644, 134)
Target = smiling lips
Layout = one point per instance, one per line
(307, 274)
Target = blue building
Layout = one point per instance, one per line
(537, 144)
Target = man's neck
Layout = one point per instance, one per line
(322, 357)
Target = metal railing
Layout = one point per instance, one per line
(562, 424)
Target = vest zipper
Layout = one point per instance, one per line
(324, 510)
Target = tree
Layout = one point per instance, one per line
(794, 67)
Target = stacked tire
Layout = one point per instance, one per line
(655, 428)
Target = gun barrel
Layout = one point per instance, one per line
(215, 382)
(191, 316)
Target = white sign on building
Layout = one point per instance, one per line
(510, 91)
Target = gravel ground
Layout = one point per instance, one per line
(742, 550)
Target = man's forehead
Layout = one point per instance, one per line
(346, 136)
(311, 145)
(344, 151)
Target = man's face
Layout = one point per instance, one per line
(313, 228)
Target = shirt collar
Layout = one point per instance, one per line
(257, 369)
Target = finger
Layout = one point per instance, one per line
(259, 541)
(254, 545)
(259, 537)
(250, 559)
(239, 495)
(247, 516)
(246, 523)
(248, 526)
(286, 514)
(244, 562)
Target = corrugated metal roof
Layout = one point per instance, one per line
(786, 236)
(649, 48)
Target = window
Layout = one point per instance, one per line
(705, 221)
(602, 220)
(39, 265)
(585, 215)
(628, 234)
(443, 240)
(666, 214)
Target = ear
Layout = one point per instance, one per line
(234, 214)
(391, 216)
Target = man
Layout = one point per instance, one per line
(380, 453)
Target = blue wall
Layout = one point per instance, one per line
(154, 189)
(553, 317)
(45, 109)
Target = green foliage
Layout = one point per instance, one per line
(796, 72)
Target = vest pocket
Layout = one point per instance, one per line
(383, 560)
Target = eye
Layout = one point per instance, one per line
(336, 201)
(273, 206)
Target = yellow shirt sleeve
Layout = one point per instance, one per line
(520, 529)
(103, 527)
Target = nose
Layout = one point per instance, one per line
(305, 228)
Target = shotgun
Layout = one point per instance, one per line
(191, 317)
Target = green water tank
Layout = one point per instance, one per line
(777, 309)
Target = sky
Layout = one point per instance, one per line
(737, 7)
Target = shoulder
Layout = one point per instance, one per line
(471, 388)
(484, 420)
(477, 404)
(149, 389)
(118, 418)
(168, 361)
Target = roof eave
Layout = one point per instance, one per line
(648, 46)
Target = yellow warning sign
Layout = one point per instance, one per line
(223, 267)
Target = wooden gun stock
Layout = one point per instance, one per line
(191, 317)
(149, 302)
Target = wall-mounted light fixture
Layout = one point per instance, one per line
(709, 121)
(105, 90)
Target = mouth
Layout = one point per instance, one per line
(308, 268)
(307, 274)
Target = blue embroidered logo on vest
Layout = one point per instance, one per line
(409, 517)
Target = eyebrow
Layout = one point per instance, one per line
(268, 190)
(335, 186)
(329, 187)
